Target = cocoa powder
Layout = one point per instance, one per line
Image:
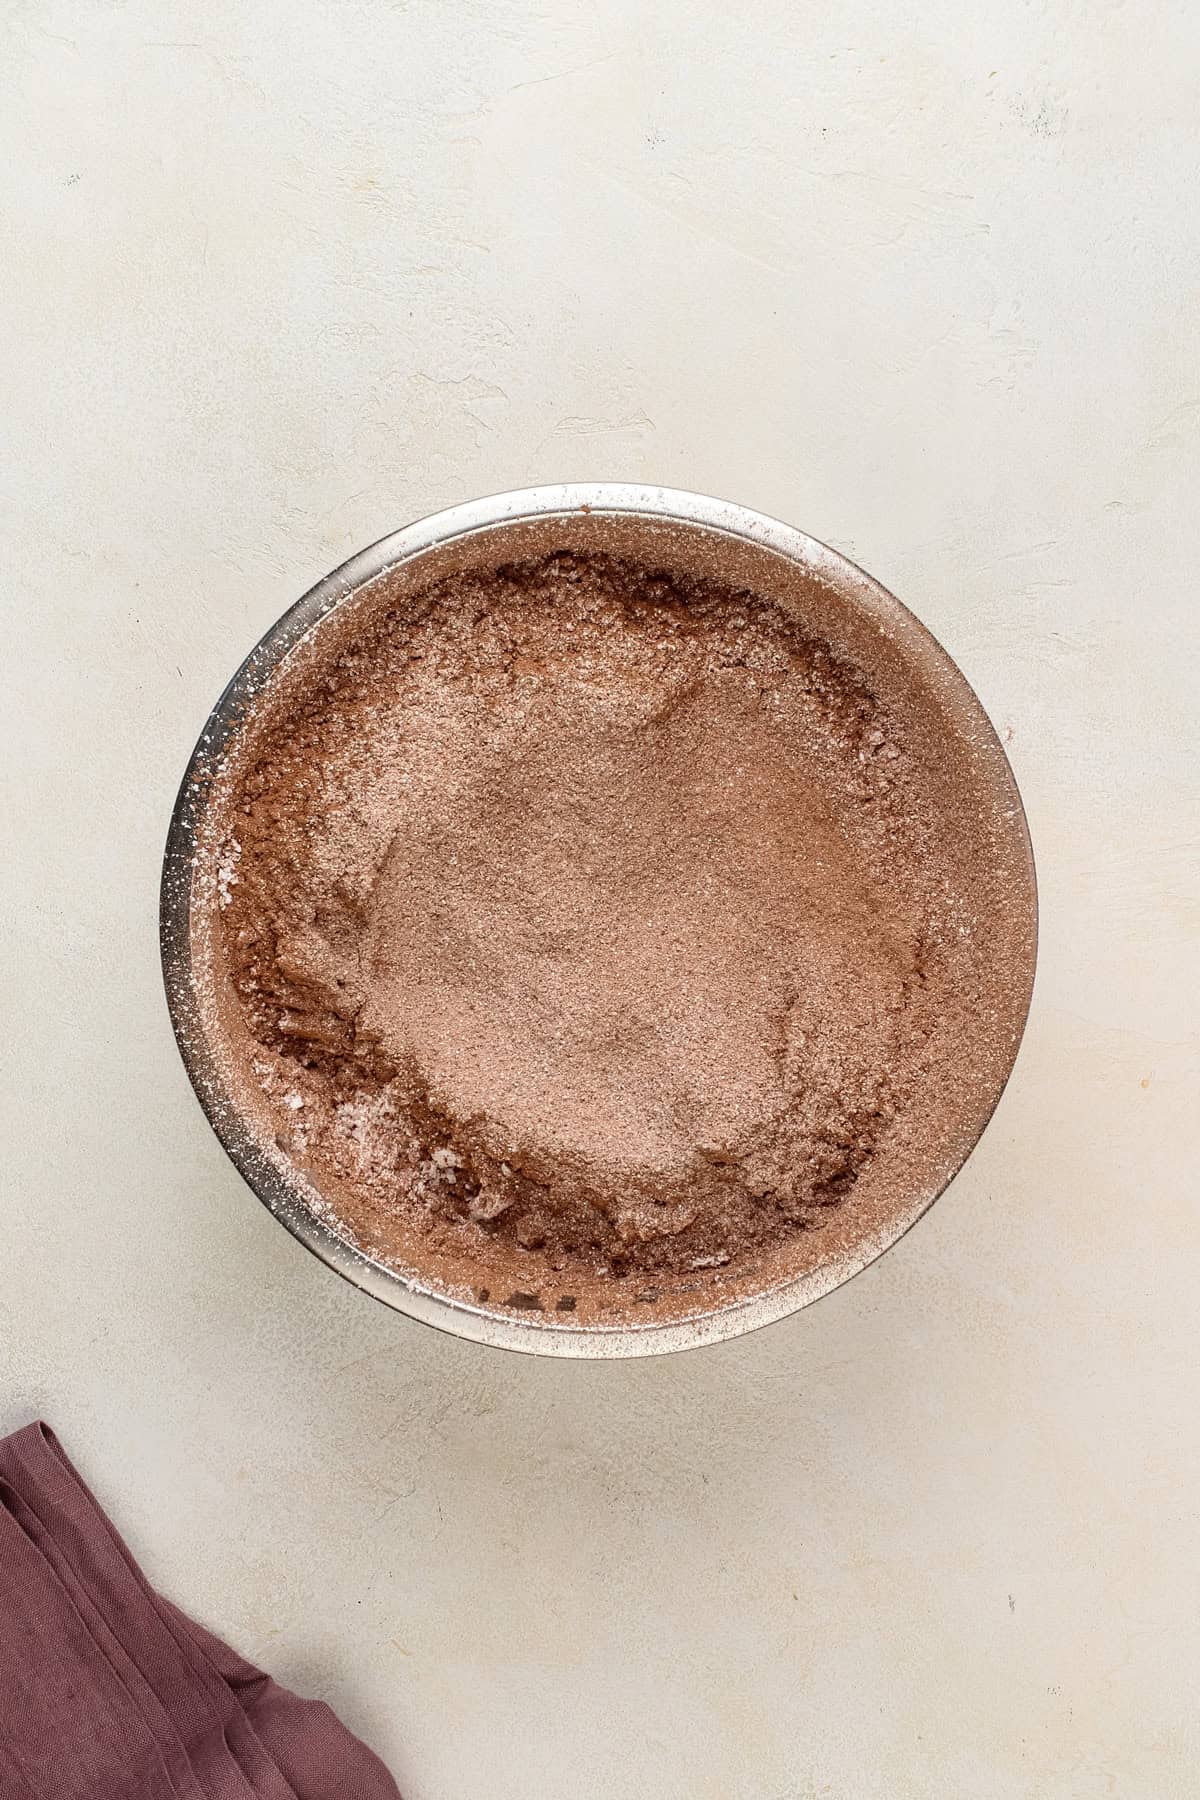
(589, 924)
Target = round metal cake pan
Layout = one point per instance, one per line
(722, 522)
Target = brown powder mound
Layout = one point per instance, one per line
(581, 918)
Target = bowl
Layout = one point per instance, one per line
(803, 576)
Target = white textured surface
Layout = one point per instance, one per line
(920, 279)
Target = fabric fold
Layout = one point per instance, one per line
(108, 1690)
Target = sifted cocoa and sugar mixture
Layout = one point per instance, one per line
(586, 925)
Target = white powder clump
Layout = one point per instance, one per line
(227, 875)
